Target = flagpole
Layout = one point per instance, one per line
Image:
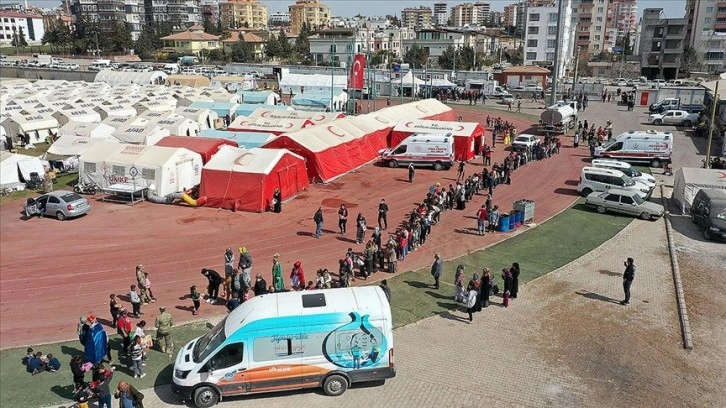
(332, 78)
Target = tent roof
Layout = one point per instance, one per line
(195, 114)
(214, 106)
(206, 147)
(119, 77)
(269, 124)
(409, 78)
(119, 121)
(124, 153)
(438, 127)
(315, 117)
(320, 138)
(135, 133)
(256, 96)
(68, 145)
(79, 115)
(258, 161)
(702, 176)
(310, 81)
(34, 121)
(85, 129)
(196, 81)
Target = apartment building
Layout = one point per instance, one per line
(56, 17)
(509, 15)
(421, 17)
(590, 19)
(279, 17)
(30, 25)
(661, 44)
(210, 11)
(312, 12)
(135, 17)
(436, 41)
(470, 13)
(243, 13)
(377, 38)
(179, 13)
(441, 14)
(105, 12)
(540, 38)
(621, 20)
(706, 32)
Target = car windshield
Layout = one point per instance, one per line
(71, 197)
(634, 172)
(637, 199)
(209, 342)
(628, 181)
(720, 212)
(522, 139)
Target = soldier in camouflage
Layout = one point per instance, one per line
(163, 325)
(141, 283)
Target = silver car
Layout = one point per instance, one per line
(59, 204)
(624, 202)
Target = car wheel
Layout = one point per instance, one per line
(655, 163)
(438, 166)
(686, 123)
(585, 192)
(205, 397)
(392, 164)
(335, 385)
(645, 216)
(707, 234)
(657, 122)
(60, 216)
(601, 209)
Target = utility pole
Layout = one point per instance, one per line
(577, 66)
(332, 76)
(556, 68)
(711, 126)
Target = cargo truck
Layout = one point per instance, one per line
(687, 98)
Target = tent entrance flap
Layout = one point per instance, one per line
(185, 179)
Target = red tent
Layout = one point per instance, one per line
(239, 179)
(207, 147)
(468, 136)
(330, 150)
(318, 118)
(275, 126)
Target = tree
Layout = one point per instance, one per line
(625, 41)
(146, 44)
(302, 43)
(465, 59)
(446, 59)
(416, 55)
(272, 47)
(285, 46)
(241, 50)
(691, 61)
(119, 40)
(210, 28)
(18, 39)
(50, 37)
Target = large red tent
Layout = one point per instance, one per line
(468, 136)
(207, 147)
(317, 118)
(275, 126)
(240, 179)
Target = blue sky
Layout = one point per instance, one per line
(672, 8)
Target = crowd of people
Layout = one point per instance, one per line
(476, 294)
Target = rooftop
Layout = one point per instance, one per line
(526, 69)
(191, 36)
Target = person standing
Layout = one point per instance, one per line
(214, 280)
(383, 214)
(114, 307)
(507, 279)
(342, 219)
(102, 378)
(494, 218)
(386, 289)
(471, 297)
(411, 172)
(460, 174)
(141, 282)
(135, 301)
(628, 277)
(486, 287)
(360, 225)
(128, 396)
(123, 328)
(277, 280)
(277, 201)
(245, 267)
(136, 351)
(481, 219)
(437, 268)
(318, 219)
(515, 280)
(228, 262)
(297, 276)
(460, 293)
(196, 297)
(487, 155)
(519, 105)
(163, 325)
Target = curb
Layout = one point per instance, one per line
(677, 282)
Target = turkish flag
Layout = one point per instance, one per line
(355, 80)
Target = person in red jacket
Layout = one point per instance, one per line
(481, 219)
(297, 275)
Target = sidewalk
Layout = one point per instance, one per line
(565, 342)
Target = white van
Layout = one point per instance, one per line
(422, 150)
(598, 179)
(627, 169)
(644, 146)
(320, 338)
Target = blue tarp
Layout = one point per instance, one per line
(246, 109)
(248, 140)
(220, 108)
(312, 99)
(255, 96)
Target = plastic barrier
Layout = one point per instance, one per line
(504, 223)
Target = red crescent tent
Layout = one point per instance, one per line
(468, 136)
(269, 125)
(318, 118)
(240, 179)
(330, 150)
(206, 147)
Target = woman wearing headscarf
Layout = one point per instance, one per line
(460, 294)
(515, 280)
(360, 224)
(277, 281)
(297, 276)
(472, 295)
(507, 278)
(486, 287)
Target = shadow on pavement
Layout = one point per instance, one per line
(595, 296)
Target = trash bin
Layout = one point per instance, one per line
(512, 221)
(504, 223)
(516, 218)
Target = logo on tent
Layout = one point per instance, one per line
(330, 129)
(459, 128)
(721, 174)
(240, 161)
(422, 109)
(409, 124)
(319, 118)
(81, 141)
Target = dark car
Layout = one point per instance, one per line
(709, 212)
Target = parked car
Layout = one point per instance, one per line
(674, 117)
(533, 88)
(59, 204)
(624, 202)
(524, 141)
(708, 211)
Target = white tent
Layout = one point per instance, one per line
(155, 106)
(106, 109)
(177, 126)
(117, 121)
(112, 77)
(77, 115)
(220, 95)
(92, 130)
(146, 134)
(154, 115)
(293, 82)
(409, 81)
(9, 177)
(204, 117)
(68, 145)
(36, 125)
(168, 170)
(689, 180)
(233, 83)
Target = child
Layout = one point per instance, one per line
(53, 363)
(137, 351)
(28, 355)
(135, 301)
(227, 287)
(114, 307)
(196, 296)
(147, 283)
(506, 298)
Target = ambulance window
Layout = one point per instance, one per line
(229, 355)
(314, 300)
(400, 149)
(617, 146)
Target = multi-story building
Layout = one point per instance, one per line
(495, 19)
(483, 11)
(179, 13)
(29, 25)
(540, 41)
(135, 17)
(464, 14)
(706, 32)
(279, 18)
(210, 11)
(590, 17)
(56, 17)
(243, 13)
(311, 12)
(335, 45)
(436, 41)
(420, 17)
(441, 14)
(621, 20)
(192, 41)
(661, 44)
(380, 38)
(106, 12)
(509, 15)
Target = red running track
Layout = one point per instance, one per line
(52, 272)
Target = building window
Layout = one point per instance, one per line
(551, 43)
(709, 9)
(598, 28)
(656, 46)
(552, 30)
(707, 20)
(597, 38)
(596, 47)
(531, 43)
(550, 56)
(533, 30)
(553, 17)
(533, 16)
(658, 32)
(600, 9)
(531, 55)
(598, 19)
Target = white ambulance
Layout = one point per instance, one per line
(639, 146)
(422, 150)
(284, 341)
